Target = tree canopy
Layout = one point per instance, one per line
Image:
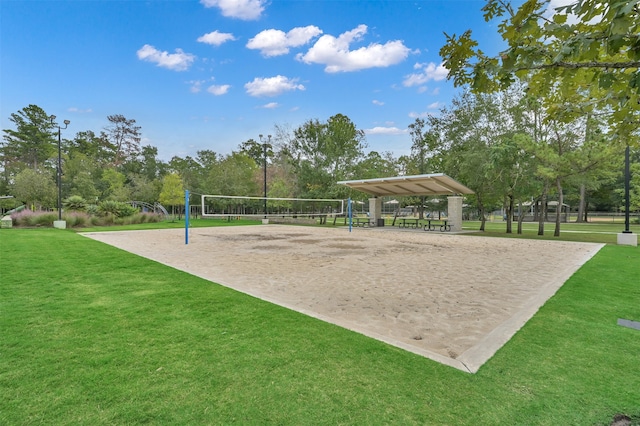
(579, 58)
(503, 145)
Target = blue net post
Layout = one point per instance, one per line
(186, 215)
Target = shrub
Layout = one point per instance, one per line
(108, 220)
(22, 218)
(108, 207)
(75, 203)
(76, 219)
(45, 218)
(29, 218)
(148, 217)
(93, 210)
(117, 208)
(127, 210)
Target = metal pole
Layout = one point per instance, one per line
(186, 222)
(66, 124)
(59, 175)
(264, 145)
(627, 184)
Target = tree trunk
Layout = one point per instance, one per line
(482, 215)
(586, 209)
(520, 217)
(581, 205)
(509, 213)
(542, 213)
(556, 232)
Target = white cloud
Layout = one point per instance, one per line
(247, 10)
(435, 105)
(218, 90)
(272, 86)
(377, 102)
(195, 86)
(335, 54)
(554, 4)
(426, 73)
(216, 38)
(571, 18)
(275, 42)
(425, 114)
(379, 130)
(270, 105)
(178, 61)
(80, 111)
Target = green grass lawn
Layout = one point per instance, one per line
(90, 334)
(586, 232)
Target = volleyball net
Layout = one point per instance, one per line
(229, 205)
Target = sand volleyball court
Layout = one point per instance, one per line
(452, 298)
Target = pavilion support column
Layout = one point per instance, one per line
(454, 213)
(375, 210)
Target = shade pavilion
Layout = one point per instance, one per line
(415, 185)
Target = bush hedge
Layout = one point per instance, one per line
(76, 219)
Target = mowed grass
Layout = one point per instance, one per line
(90, 334)
(586, 232)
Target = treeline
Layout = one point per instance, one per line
(503, 146)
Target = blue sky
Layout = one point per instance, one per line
(211, 74)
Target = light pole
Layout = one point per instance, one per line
(627, 237)
(627, 181)
(264, 148)
(66, 124)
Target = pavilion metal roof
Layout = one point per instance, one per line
(431, 184)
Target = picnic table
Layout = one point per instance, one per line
(408, 222)
(360, 221)
(442, 224)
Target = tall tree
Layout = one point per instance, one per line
(513, 168)
(146, 164)
(471, 126)
(419, 149)
(80, 176)
(113, 186)
(345, 145)
(33, 141)
(233, 175)
(35, 188)
(322, 154)
(375, 165)
(191, 172)
(256, 150)
(91, 145)
(123, 137)
(144, 189)
(563, 150)
(424, 144)
(172, 193)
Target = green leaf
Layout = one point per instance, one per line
(605, 81)
(559, 18)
